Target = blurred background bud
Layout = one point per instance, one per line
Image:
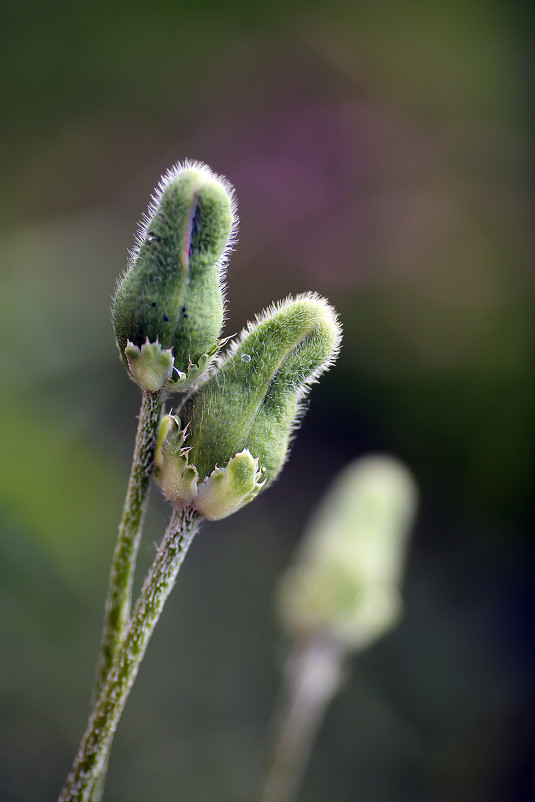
(346, 578)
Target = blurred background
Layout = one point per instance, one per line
(382, 156)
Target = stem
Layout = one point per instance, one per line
(119, 601)
(312, 676)
(96, 741)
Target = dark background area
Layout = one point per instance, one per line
(382, 156)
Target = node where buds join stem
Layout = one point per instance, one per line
(171, 297)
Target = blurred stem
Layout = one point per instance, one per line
(312, 675)
(96, 741)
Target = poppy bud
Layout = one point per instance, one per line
(249, 407)
(171, 296)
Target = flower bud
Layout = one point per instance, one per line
(171, 295)
(250, 406)
(345, 580)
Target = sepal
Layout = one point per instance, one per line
(228, 489)
(150, 366)
(221, 493)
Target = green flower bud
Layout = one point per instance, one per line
(171, 295)
(345, 580)
(249, 407)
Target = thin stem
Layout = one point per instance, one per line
(119, 601)
(94, 747)
(312, 675)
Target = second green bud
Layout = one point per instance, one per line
(239, 423)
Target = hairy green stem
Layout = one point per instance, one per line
(94, 747)
(312, 675)
(119, 601)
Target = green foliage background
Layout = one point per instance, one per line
(381, 154)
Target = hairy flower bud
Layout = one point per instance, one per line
(171, 296)
(251, 404)
(345, 581)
